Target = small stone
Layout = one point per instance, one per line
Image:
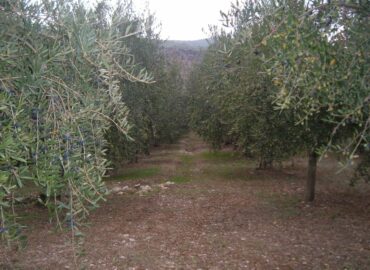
(125, 188)
(169, 183)
(162, 186)
(145, 188)
(116, 189)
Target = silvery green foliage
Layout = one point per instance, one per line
(60, 92)
(233, 100)
(158, 111)
(289, 76)
(321, 67)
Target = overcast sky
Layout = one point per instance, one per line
(184, 19)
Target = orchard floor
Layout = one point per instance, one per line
(221, 213)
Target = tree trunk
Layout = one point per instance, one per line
(311, 177)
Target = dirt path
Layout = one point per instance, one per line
(220, 214)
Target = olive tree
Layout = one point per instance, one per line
(60, 93)
(321, 64)
(295, 71)
(157, 109)
(233, 97)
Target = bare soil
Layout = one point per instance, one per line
(221, 214)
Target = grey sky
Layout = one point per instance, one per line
(181, 19)
(184, 19)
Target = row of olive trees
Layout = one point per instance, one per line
(291, 76)
(66, 76)
(158, 109)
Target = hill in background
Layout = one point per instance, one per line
(186, 53)
(187, 44)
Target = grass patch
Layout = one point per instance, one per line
(178, 179)
(186, 159)
(135, 173)
(219, 156)
(183, 172)
(229, 171)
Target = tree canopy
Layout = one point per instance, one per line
(290, 76)
(76, 84)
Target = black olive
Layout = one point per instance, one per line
(34, 156)
(67, 137)
(43, 149)
(328, 21)
(66, 156)
(70, 222)
(10, 92)
(35, 114)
